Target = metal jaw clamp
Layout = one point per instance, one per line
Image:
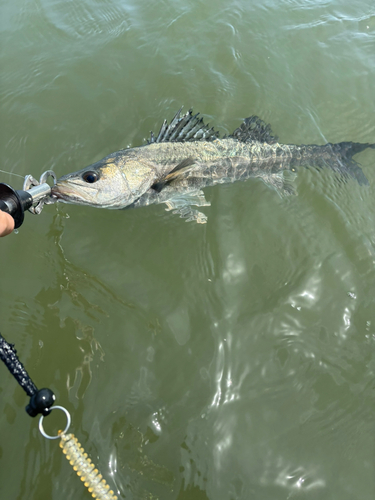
(33, 196)
(40, 191)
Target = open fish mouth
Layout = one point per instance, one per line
(71, 192)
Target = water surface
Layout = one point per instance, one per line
(233, 360)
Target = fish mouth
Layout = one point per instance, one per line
(71, 192)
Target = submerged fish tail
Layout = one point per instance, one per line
(347, 151)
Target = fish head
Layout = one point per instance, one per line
(116, 181)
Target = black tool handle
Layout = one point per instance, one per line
(41, 400)
(15, 203)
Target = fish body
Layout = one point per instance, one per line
(187, 156)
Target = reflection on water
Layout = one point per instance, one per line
(229, 361)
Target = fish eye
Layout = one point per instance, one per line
(90, 177)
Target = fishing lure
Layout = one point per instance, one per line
(84, 467)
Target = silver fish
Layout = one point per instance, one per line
(187, 156)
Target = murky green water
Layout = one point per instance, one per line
(228, 361)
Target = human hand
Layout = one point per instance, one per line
(6, 223)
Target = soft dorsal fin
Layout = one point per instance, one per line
(187, 127)
(254, 129)
(180, 169)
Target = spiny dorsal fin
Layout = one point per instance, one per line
(181, 168)
(254, 129)
(187, 127)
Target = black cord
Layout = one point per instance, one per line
(40, 400)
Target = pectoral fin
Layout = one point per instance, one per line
(183, 167)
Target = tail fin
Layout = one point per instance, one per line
(347, 151)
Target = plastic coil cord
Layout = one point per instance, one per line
(85, 469)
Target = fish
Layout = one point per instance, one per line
(187, 156)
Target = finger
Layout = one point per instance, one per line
(6, 223)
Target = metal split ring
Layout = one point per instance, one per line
(68, 421)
